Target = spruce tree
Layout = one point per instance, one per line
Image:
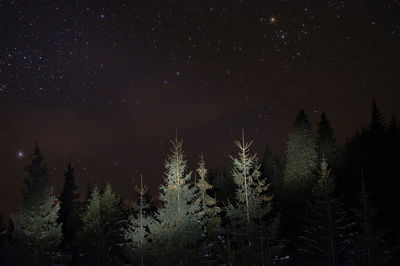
(301, 155)
(209, 209)
(247, 214)
(37, 234)
(393, 127)
(101, 235)
(299, 175)
(377, 123)
(69, 207)
(326, 141)
(177, 226)
(325, 238)
(137, 232)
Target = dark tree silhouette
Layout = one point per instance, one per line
(326, 141)
(325, 238)
(272, 173)
(69, 207)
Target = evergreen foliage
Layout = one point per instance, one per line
(326, 141)
(137, 232)
(209, 209)
(177, 226)
(36, 232)
(252, 205)
(377, 123)
(224, 186)
(101, 235)
(210, 215)
(301, 155)
(89, 191)
(225, 217)
(38, 179)
(325, 235)
(69, 207)
(272, 172)
(370, 248)
(299, 175)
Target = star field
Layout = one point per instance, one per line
(106, 83)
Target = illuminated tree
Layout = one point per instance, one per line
(36, 233)
(137, 231)
(177, 227)
(299, 175)
(69, 207)
(301, 155)
(252, 205)
(210, 211)
(101, 233)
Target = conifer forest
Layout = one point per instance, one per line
(327, 204)
(185, 132)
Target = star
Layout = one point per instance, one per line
(20, 154)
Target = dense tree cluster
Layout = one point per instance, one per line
(327, 204)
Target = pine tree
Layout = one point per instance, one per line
(210, 211)
(137, 232)
(37, 234)
(101, 233)
(325, 236)
(69, 207)
(177, 227)
(326, 142)
(246, 215)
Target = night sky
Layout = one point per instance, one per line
(106, 84)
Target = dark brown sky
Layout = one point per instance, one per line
(107, 85)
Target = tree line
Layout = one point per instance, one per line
(327, 204)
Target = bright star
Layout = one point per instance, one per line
(20, 154)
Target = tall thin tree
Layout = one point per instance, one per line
(69, 207)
